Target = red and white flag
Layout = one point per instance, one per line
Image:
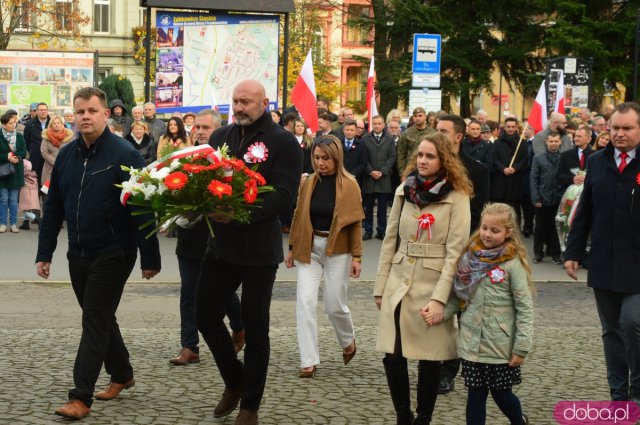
(303, 95)
(559, 105)
(538, 115)
(231, 119)
(214, 102)
(372, 108)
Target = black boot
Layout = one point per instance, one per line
(428, 381)
(398, 381)
(25, 225)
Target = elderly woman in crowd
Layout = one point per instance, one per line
(140, 139)
(427, 231)
(326, 240)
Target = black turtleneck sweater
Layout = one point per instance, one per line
(323, 202)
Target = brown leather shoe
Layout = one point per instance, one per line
(228, 402)
(307, 373)
(185, 357)
(112, 390)
(74, 409)
(238, 340)
(348, 355)
(246, 417)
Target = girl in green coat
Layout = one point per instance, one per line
(13, 149)
(493, 288)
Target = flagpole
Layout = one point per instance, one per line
(519, 142)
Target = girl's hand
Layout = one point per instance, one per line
(434, 310)
(288, 260)
(378, 301)
(356, 266)
(516, 360)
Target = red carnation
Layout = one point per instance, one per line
(219, 189)
(176, 180)
(193, 168)
(250, 191)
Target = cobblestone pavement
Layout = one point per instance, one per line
(39, 329)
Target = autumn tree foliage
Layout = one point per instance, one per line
(47, 24)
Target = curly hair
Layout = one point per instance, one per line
(450, 162)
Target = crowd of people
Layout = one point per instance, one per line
(462, 192)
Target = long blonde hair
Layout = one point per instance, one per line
(455, 171)
(515, 238)
(330, 145)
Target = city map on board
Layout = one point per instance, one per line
(202, 57)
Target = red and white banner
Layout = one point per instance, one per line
(372, 107)
(559, 104)
(538, 115)
(303, 95)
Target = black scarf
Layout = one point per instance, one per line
(421, 192)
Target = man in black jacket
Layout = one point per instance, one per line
(103, 236)
(454, 127)
(608, 212)
(33, 136)
(247, 254)
(573, 162)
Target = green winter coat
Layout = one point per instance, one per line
(498, 321)
(16, 181)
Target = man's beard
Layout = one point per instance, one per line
(561, 131)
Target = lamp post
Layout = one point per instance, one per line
(635, 57)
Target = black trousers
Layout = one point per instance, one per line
(545, 232)
(98, 283)
(189, 273)
(218, 280)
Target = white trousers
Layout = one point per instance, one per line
(335, 269)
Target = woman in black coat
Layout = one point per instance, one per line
(142, 141)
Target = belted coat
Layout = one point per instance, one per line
(412, 271)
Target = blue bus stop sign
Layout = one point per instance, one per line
(426, 53)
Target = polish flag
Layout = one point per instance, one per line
(231, 119)
(214, 102)
(538, 115)
(303, 95)
(372, 108)
(559, 105)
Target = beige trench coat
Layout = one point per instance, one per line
(419, 271)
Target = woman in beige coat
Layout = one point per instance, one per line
(427, 230)
(53, 138)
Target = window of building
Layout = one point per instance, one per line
(103, 73)
(23, 11)
(101, 16)
(64, 10)
(317, 47)
(357, 32)
(357, 83)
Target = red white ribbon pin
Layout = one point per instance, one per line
(424, 222)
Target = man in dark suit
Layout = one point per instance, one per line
(454, 127)
(33, 136)
(608, 212)
(381, 160)
(355, 156)
(573, 162)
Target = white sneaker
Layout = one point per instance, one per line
(3, 228)
(14, 229)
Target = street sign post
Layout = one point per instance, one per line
(426, 60)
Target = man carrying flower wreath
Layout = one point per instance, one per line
(103, 237)
(247, 254)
